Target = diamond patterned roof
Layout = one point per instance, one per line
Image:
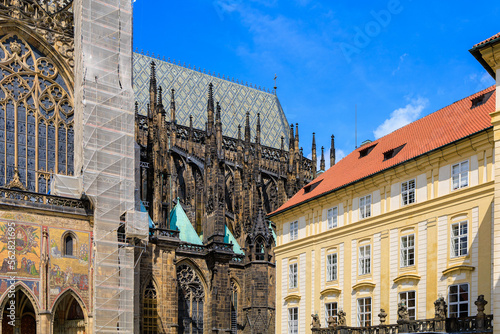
(191, 91)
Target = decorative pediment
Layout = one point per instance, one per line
(292, 297)
(364, 285)
(329, 291)
(405, 277)
(458, 267)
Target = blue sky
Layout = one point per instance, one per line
(396, 60)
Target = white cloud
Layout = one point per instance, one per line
(402, 116)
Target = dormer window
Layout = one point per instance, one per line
(392, 153)
(364, 152)
(480, 100)
(311, 187)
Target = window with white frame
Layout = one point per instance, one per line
(292, 276)
(407, 250)
(331, 267)
(458, 300)
(330, 310)
(293, 320)
(365, 206)
(408, 192)
(460, 175)
(332, 217)
(364, 312)
(364, 260)
(408, 299)
(459, 239)
(294, 230)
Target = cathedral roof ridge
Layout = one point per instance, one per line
(213, 74)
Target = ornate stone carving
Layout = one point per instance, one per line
(382, 316)
(341, 316)
(403, 313)
(210, 201)
(440, 308)
(315, 321)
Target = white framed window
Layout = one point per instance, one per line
(458, 300)
(292, 276)
(331, 267)
(364, 312)
(407, 250)
(408, 192)
(459, 239)
(293, 320)
(408, 298)
(364, 260)
(365, 206)
(330, 310)
(294, 230)
(460, 175)
(332, 217)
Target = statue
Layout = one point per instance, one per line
(440, 308)
(332, 322)
(315, 321)
(480, 303)
(382, 315)
(403, 313)
(341, 316)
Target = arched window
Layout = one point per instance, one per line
(36, 117)
(260, 251)
(234, 308)
(68, 245)
(150, 310)
(191, 298)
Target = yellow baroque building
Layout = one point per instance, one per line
(408, 218)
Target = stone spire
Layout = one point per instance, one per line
(322, 161)
(247, 128)
(160, 99)
(296, 135)
(172, 105)
(257, 138)
(210, 109)
(291, 145)
(332, 152)
(314, 158)
(152, 87)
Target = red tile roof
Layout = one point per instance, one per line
(487, 40)
(445, 126)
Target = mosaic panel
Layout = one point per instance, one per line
(191, 88)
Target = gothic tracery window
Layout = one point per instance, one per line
(234, 307)
(36, 116)
(150, 310)
(191, 298)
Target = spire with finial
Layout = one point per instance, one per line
(160, 98)
(296, 135)
(314, 158)
(291, 145)
(257, 139)
(282, 144)
(332, 152)
(210, 108)
(136, 108)
(322, 161)
(275, 77)
(152, 86)
(172, 105)
(239, 132)
(247, 127)
(218, 130)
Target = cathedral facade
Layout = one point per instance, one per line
(208, 194)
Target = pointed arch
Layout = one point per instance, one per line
(70, 317)
(196, 269)
(27, 317)
(21, 286)
(149, 310)
(191, 300)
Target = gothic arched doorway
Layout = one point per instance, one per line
(68, 316)
(25, 315)
(191, 300)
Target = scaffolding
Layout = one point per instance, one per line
(104, 154)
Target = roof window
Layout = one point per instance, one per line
(480, 100)
(392, 153)
(311, 187)
(364, 152)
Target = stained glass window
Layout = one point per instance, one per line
(191, 300)
(36, 116)
(150, 310)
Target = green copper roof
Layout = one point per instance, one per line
(228, 239)
(191, 91)
(180, 221)
(272, 231)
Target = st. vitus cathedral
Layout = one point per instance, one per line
(223, 188)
